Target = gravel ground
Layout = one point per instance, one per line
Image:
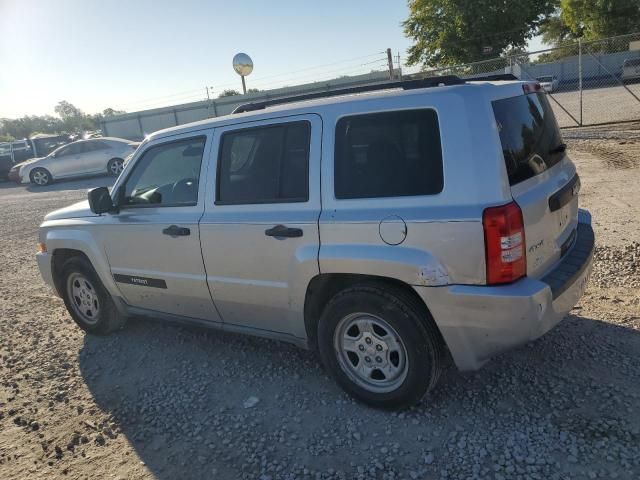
(167, 402)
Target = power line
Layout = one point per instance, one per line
(180, 95)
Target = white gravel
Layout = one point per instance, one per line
(167, 402)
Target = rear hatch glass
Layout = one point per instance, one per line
(531, 140)
(543, 180)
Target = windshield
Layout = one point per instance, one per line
(545, 79)
(531, 140)
(44, 146)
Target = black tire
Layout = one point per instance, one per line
(108, 318)
(110, 166)
(40, 177)
(414, 327)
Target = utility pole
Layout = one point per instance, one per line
(390, 62)
(399, 65)
(580, 75)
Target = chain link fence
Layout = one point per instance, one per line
(589, 83)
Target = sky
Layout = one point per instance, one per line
(137, 54)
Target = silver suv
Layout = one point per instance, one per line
(388, 229)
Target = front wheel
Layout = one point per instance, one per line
(380, 345)
(86, 299)
(115, 166)
(40, 176)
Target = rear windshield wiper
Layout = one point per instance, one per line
(559, 149)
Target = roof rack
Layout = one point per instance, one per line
(492, 78)
(403, 84)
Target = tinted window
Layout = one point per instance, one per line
(633, 62)
(45, 146)
(392, 154)
(264, 165)
(95, 145)
(531, 141)
(166, 175)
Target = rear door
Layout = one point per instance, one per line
(98, 153)
(259, 232)
(543, 180)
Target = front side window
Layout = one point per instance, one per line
(166, 175)
(391, 154)
(264, 165)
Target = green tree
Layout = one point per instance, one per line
(73, 118)
(228, 93)
(109, 112)
(448, 32)
(555, 32)
(253, 90)
(594, 19)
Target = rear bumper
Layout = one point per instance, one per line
(479, 322)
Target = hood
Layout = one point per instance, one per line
(77, 210)
(27, 162)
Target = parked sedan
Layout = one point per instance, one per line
(631, 70)
(85, 157)
(549, 83)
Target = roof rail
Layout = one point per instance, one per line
(492, 78)
(403, 84)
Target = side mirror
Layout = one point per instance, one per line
(100, 201)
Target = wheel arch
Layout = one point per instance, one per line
(324, 286)
(39, 167)
(67, 243)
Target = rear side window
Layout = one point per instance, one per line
(264, 165)
(391, 154)
(531, 140)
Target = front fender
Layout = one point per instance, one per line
(82, 240)
(409, 265)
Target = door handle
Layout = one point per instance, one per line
(283, 231)
(176, 231)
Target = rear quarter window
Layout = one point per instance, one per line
(529, 134)
(390, 154)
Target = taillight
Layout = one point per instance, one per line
(504, 243)
(531, 87)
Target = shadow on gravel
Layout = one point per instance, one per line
(178, 395)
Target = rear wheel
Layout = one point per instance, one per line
(115, 166)
(40, 176)
(86, 299)
(380, 345)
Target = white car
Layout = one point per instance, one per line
(631, 69)
(549, 83)
(85, 157)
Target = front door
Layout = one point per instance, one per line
(68, 161)
(259, 232)
(153, 243)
